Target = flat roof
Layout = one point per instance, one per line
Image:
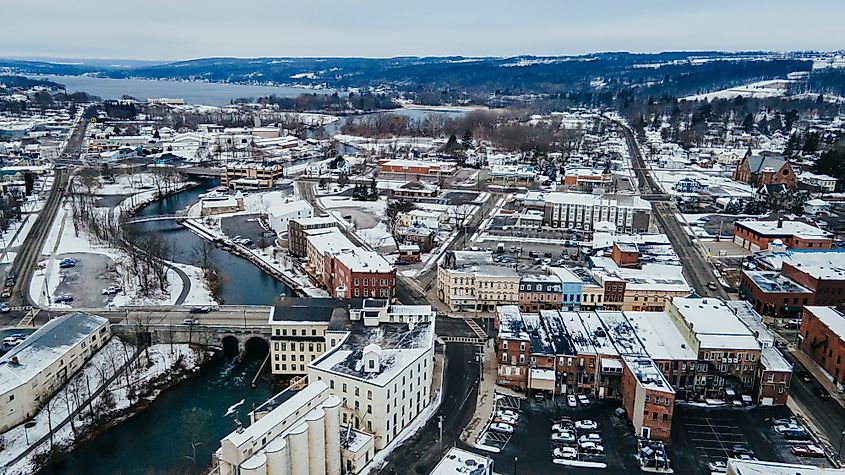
(785, 228)
(303, 311)
(459, 461)
(511, 326)
(715, 324)
(773, 282)
(647, 373)
(45, 346)
(760, 467)
(802, 258)
(660, 337)
(773, 360)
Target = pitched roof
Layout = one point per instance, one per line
(757, 163)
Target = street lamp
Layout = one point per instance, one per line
(515, 460)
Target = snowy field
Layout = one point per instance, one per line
(120, 395)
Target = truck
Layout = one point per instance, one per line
(500, 248)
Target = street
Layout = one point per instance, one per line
(460, 389)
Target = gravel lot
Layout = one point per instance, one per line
(86, 281)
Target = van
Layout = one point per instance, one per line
(500, 248)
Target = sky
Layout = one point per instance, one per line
(184, 29)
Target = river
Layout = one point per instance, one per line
(193, 92)
(158, 440)
(243, 283)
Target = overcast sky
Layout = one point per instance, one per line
(182, 29)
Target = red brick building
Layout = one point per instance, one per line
(625, 255)
(649, 400)
(759, 170)
(356, 273)
(827, 282)
(758, 235)
(417, 167)
(775, 375)
(773, 294)
(822, 338)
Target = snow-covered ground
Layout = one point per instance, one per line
(761, 89)
(120, 395)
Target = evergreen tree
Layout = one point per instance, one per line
(466, 140)
(452, 145)
(748, 123)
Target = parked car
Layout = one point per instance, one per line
(591, 437)
(586, 424)
(190, 321)
(565, 453)
(533, 254)
(620, 413)
(740, 449)
(7, 292)
(507, 412)
(563, 437)
(793, 324)
(67, 298)
(571, 401)
(796, 435)
(13, 340)
(563, 427)
(501, 428)
(10, 282)
(821, 392)
(65, 263)
(591, 447)
(711, 285)
(781, 428)
(5, 308)
(717, 467)
(809, 450)
(12, 275)
(745, 457)
(200, 309)
(112, 289)
(783, 421)
(583, 400)
(505, 419)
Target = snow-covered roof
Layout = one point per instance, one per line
(773, 360)
(660, 337)
(459, 461)
(584, 199)
(802, 259)
(785, 228)
(647, 373)
(45, 346)
(715, 324)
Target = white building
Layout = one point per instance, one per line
(31, 371)
(824, 182)
(816, 206)
(460, 462)
(582, 211)
(368, 387)
(281, 214)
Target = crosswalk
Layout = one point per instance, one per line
(30, 315)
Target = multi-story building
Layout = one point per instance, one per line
(31, 371)
(582, 212)
(365, 391)
(469, 281)
(822, 338)
(281, 214)
(774, 295)
(758, 235)
(297, 236)
(764, 170)
(646, 288)
(355, 273)
(252, 176)
(298, 332)
(822, 183)
(540, 291)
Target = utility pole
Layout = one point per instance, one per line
(440, 426)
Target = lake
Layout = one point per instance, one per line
(193, 92)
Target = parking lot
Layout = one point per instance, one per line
(530, 442)
(245, 226)
(87, 279)
(701, 435)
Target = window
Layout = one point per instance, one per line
(369, 394)
(505, 345)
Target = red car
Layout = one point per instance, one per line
(807, 450)
(7, 292)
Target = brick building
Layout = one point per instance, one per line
(356, 273)
(297, 236)
(803, 279)
(822, 338)
(417, 167)
(539, 292)
(252, 176)
(774, 295)
(759, 170)
(758, 235)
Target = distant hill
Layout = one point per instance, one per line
(670, 73)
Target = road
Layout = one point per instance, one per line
(30, 250)
(224, 315)
(697, 269)
(460, 389)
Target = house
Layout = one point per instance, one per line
(764, 170)
(822, 183)
(422, 236)
(415, 189)
(816, 206)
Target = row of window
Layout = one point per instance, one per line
(283, 346)
(293, 332)
(382, 282)
(383, 292)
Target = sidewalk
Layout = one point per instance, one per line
(486, 397)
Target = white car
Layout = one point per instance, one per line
(502, 428)
(586, 424)
(781, 428)
(562, 427)
(571, 401)
(506, 419)
(591, 447)
(565, 453)
(718, 467)
(5, 308)
(592, 437)
(507, 413)
(190, 321)
(584, 400)
(114, 289)
(563, 437)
